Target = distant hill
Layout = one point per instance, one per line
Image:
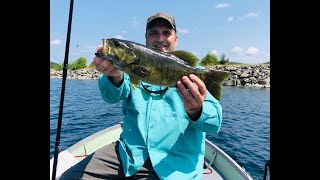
(234, 63)
(238, 63)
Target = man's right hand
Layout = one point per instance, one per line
(106, 67)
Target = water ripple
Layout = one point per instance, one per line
(244, 135)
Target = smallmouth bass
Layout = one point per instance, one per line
(159, 68)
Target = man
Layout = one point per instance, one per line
(163, 128)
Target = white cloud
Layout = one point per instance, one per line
(251, 55)
(222, 5)
(231, 18)
(56, 42)
(214, 51)
(182, 30)
(251, 14)
(119, 36)
(194, 53)
(135, 22)
(243, 17)
(236, 50)
(252, 51)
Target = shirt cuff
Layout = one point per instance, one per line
(209, 120)
(107, 88)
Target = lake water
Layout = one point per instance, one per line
(244, 135)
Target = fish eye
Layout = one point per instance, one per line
(116, 43)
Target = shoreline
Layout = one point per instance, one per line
(242, 76)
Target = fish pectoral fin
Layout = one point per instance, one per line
(141, 71)
(134, 82)
(188, 57)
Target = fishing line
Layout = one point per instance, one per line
(64, 75)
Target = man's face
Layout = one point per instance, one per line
(162, 37)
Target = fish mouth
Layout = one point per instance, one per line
(118, 64)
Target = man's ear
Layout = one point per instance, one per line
(177, 39)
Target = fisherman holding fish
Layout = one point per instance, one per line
(168, 107)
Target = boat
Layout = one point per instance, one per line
(218, 165)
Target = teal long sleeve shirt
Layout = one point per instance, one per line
(158, 126)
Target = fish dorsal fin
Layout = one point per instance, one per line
(188, 57)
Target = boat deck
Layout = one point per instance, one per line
(67, 160)
(218, 164)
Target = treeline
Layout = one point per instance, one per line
(77, 64)
(211, 59)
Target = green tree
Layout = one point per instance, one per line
(55, 66)
(209, 60)
(78, 64)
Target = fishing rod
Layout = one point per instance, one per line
(64, 75)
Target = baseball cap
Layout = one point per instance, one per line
(162, 15)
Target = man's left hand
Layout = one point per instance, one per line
(193, 92)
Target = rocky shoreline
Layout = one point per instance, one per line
(242, 75)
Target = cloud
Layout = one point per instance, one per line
(230, 19)
(56, 42)
(240, 51)
(135, 22)
(236, 50)
(119, 36)
(222, 5)
(251, 55)
(182, 30)
(251, 14)
(252, 51)
(214, 51)
(194, 53)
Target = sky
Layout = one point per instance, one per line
(238, 28)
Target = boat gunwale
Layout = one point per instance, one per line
(80, 143)
(244, 174)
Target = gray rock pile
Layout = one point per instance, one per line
(242, 75)
(246, 75)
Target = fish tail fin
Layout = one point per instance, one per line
(213, 81)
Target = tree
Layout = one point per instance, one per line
(78, 64)
(209, 60)
(55, 66)
(223, 59)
